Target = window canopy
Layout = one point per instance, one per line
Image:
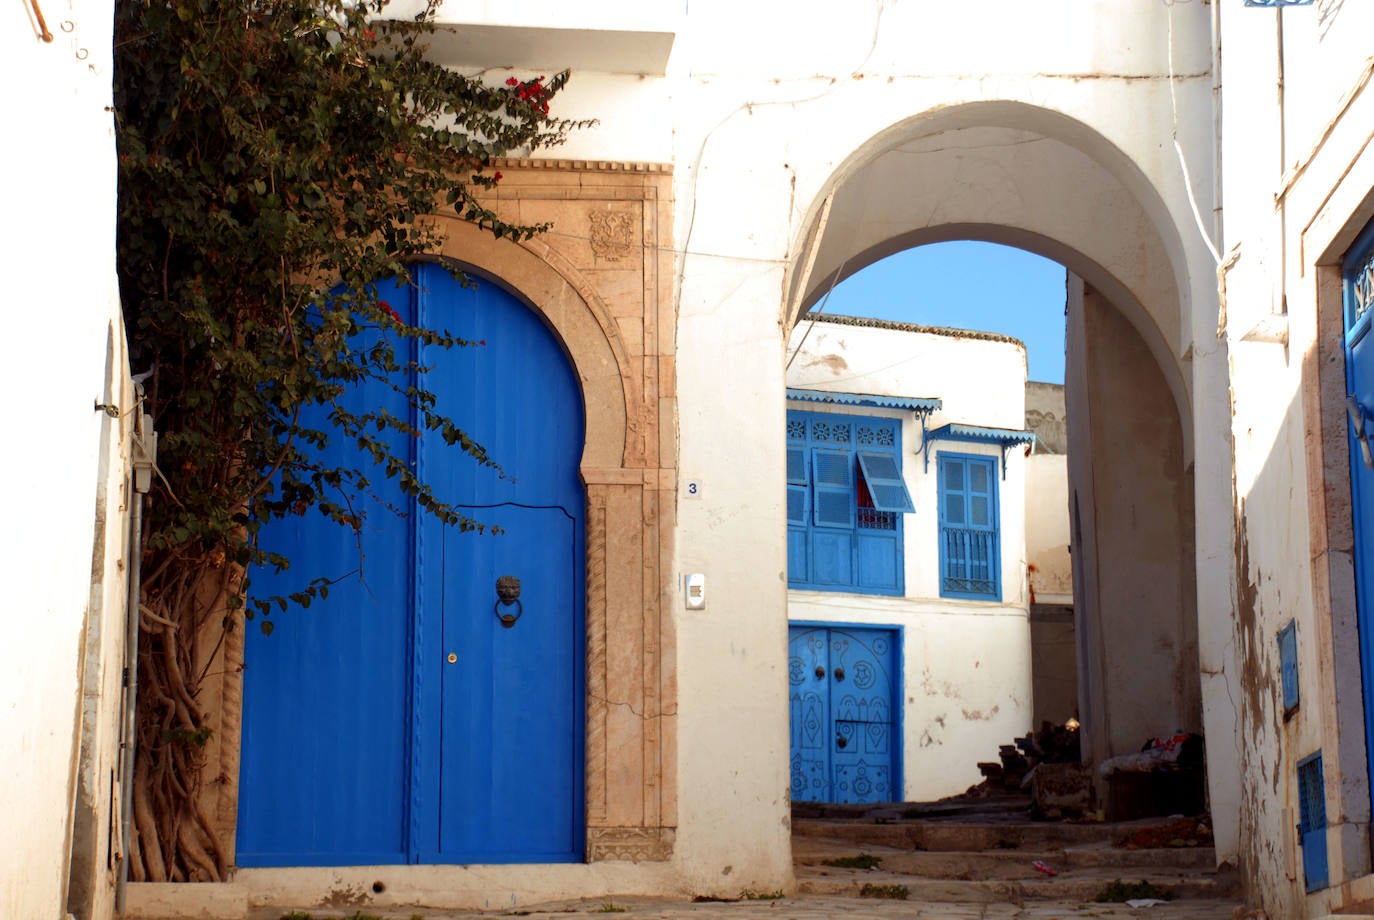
(920, 405)
(1006, 438)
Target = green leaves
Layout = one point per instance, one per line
(270, 150)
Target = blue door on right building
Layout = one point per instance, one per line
(844, 739)
(1359, 379)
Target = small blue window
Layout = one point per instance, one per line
(845, 501)
(1288, 666)
(970, 549)
(1312, 821)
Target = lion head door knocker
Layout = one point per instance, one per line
(508, 594)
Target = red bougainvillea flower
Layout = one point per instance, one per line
(369, 35)
(483, 342)
(497, 176)
(512, 82)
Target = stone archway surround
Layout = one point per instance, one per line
(601, 278)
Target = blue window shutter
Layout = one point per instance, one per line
(885, 483)
(1312, 821)
(833, 544)
(833, 478)
(970, 552)
(1288, 665)
(796, 486)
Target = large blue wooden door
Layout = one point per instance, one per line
(400, 720)
(844, 743)
(1359, 372)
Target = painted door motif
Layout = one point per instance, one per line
(1359, 374)
(844, 742)
(400, 720)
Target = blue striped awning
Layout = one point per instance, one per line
(914, 403)
(1006, 438)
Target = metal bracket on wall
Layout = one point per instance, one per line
(1005, 438)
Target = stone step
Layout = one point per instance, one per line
(958, 835)
(1013, 864)
(1071, 885)
(999, 803)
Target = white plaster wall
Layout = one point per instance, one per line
(979, 379)
(1134, 595)
(1047, 528)
(966, 664)
(758, 130)
(761, 129)
(58, 263)
(967, 670)
(97, 846)
(1298, 175)
(764, 108)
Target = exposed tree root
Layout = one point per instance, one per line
(175, 838)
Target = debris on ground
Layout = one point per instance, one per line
(1166, 776)
(1121, 892)
(1056, 744)
(1176, 832)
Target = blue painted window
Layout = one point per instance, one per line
(845, 501)
(1288, 665)
(1312, 821)
(970, 551)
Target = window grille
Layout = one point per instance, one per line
(1359, 287)
(873, 519)
(1312, 821)
(1288, 666)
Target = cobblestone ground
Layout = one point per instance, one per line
(807, 907)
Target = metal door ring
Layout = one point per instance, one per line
(508, 595)
(508, 619)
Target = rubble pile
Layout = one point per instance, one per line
(1052, 744)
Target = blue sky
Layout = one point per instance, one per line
(967, 285)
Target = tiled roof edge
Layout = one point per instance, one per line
(913, 327)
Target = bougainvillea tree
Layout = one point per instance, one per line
(270, 152)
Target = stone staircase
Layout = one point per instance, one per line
(984, 852)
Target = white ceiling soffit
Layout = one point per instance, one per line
(551, 49)
(608, 36)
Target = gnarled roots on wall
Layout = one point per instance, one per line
(180, 645)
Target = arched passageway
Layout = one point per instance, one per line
(1034, 179)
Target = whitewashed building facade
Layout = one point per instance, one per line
(1205, 170)
(909, 637)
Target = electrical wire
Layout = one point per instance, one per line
(1178, 148)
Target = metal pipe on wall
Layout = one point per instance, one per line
(144, 455)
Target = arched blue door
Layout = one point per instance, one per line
(399, 720)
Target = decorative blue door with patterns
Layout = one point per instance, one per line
(1359, 379)
(844, 744)
(400, 720)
